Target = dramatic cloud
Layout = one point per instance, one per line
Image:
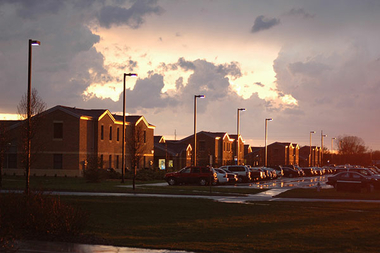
(133, 16)
(263, 23)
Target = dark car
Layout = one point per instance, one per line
(257, 174)
(289, 172)
(192, 175)
(242, 172)
(351, 180)
(309, 171)
(232, 177)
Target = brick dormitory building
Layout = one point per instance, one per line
(66, 138)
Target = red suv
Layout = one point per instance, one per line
(192, 175)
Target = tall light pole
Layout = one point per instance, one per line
(123, 133)
(31, 43)
(238, 133)
(195, 128)
(332, 145)
(266, 135)
(322, 136)
(310, 156)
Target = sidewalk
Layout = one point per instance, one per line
(268, 195)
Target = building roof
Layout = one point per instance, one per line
(93, 113)
(172, 147)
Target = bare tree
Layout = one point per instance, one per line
(135, 147)
(37, 106)
(4, 141)
(351, 145)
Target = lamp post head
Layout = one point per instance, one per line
(130, 74)
(200, 96)
(34, 42)
(333, 138)
(241, 109)
(269, 119)
(312, 132)
(325, 135)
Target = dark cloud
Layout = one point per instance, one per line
(300, 12)
(147, 93)
(232, 69)
(259, 84)
(263, 23)
(185, 65)
(131, 65)
(133, 16)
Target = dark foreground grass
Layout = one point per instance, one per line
(330, 194)
(207, 226)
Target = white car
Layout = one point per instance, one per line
(222, 176)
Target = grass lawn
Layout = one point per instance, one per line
(80, 185)
(330, 194)
(206, 226)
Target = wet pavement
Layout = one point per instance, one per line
(58, 247)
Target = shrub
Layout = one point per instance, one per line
(38, 216)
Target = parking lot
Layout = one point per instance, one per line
(286, 183)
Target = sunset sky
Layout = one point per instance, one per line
(308, 64)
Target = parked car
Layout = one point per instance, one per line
(289, 172)
(242, 172)
(279, 171)
(222, 176)
(351, 180)
(192, 175)
(257, 174)
(309, 171)
(297, 168)
(232, 177)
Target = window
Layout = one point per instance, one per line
(196, 170)
(101, 161)
(118, 134)
(144, 136)
(57, 161)
(202, 145)
(110, 161)
(186, 170)
(10, 161)
(102, 132)
(58, 130)
(117, 159)
(110, 133)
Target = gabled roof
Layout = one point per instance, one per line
(214, 135)
(173, 147)
(159, 139)
(281, 143)
(93, 113)
(132, 119)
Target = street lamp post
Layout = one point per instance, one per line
(123, 134)
(238, 133)
(266, 135)
(31, 43)
(310, 156)
(322, 136)
(195, 128)
(332, 145)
